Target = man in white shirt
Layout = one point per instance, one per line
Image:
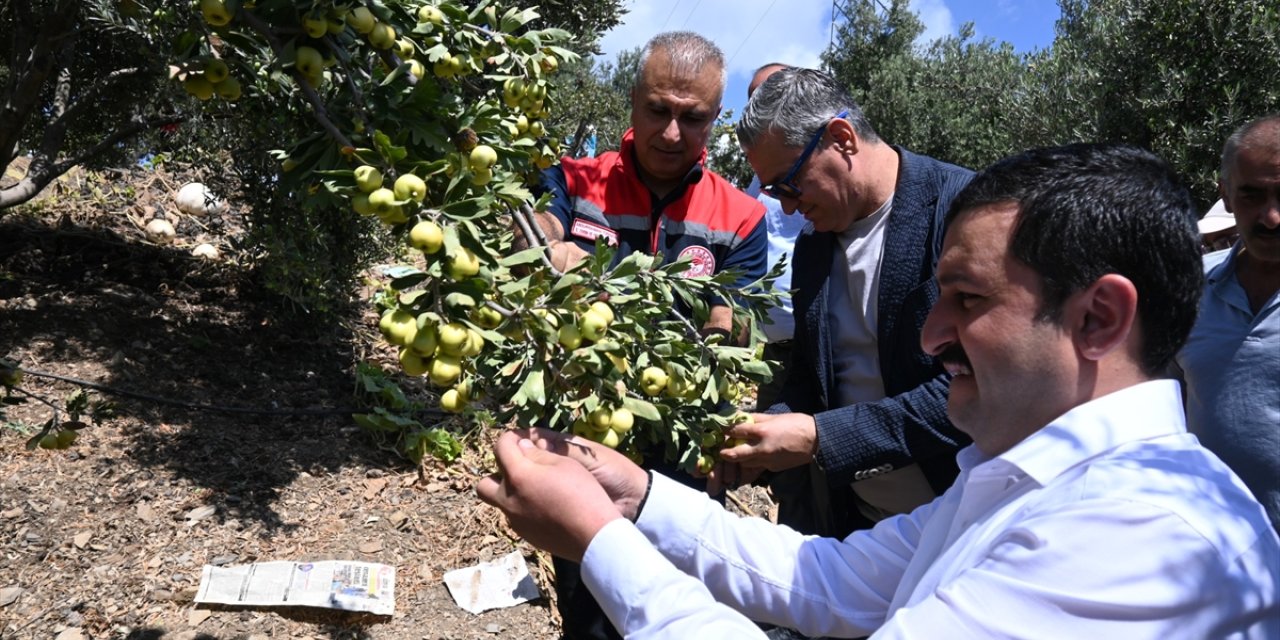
(1069, 279)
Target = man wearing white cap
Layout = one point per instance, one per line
(1217, 228)
(1231, 361)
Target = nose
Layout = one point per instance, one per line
(671, 133)
(938, 332)
(789, 205)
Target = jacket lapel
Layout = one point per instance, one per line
(905, 252)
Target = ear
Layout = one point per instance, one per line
(1222, 194)
(1104, 315)
(845, 137)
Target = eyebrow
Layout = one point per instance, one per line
(952, 278)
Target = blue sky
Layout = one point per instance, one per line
(753, 32)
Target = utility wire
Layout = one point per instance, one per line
(673, 12)
(686, 18)
(311, 411)
(753, 30)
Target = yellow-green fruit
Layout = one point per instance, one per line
(362, 20)
(474, 344)
(443, 68)
(711, 439)
(452, 401)
(522, 124)
(216, 71)
(550, 64)
(537, 129)
(382, 200)
(424, 341)
(569, 336)
(706, 463)
(412, 363)
(604, 310)
(592, 325)
(368, 178)
(383, 36)
(482, 157)
(621, 421)
(228, 89)
(580, 428)
(728, 390)
(309, 62)
(335, 26)
(10, 377)
(66, 437)
(653, 381)
(360, 203)
(404, 48)
(551, 318)
(609, 438)
(463, 264)
(49, 441)
(445, 369)
(393, 215)
(452, 338)
(198, 86)
(426, 236)
(481, 177)
(315, 26)
(410, 187)
(417, 69)
(487, 317)
(399, 326)
(430, 14)
(600, 418)
(215, 12)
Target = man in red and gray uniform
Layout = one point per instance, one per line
(654, 195)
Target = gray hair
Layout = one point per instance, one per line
(689, 54)
(1248, 136)
(794, 103)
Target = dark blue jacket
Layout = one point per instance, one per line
(910, 425)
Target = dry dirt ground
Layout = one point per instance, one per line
(108, 538)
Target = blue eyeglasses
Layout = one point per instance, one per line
(786, 188)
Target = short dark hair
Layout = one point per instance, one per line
(1088, 210)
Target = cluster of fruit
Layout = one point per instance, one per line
(438, 351)
(374, 199)
(59, 439)
(605, 425)
(214, 78)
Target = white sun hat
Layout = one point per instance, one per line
(1217, 219)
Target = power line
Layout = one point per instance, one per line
(686, 18)
(753, 30)
(673, 11)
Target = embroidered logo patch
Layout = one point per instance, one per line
(703, 263)
(590, 231)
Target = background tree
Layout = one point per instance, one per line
(82, 81)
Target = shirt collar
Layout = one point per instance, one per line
(1141, 412)
(627, 159)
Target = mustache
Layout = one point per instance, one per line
(1261, 230)
(954, 354)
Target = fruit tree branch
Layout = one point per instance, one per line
(523, 216)
(318, 109)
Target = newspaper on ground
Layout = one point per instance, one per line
(332, 584)
(505, 582)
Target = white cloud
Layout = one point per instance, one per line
(750, 32)
(937, 19)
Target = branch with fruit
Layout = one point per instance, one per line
(446, 162)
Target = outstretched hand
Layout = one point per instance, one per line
(558, 492)
(776, 442)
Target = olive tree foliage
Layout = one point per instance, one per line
(1175, 76)
(82, 80)
(432, 120)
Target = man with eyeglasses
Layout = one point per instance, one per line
(862, 402)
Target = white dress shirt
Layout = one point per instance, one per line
(1110, 522)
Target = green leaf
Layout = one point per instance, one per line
(528, 256)
(533, 389)
(642, 408)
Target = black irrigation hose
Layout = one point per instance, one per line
(203, 407)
